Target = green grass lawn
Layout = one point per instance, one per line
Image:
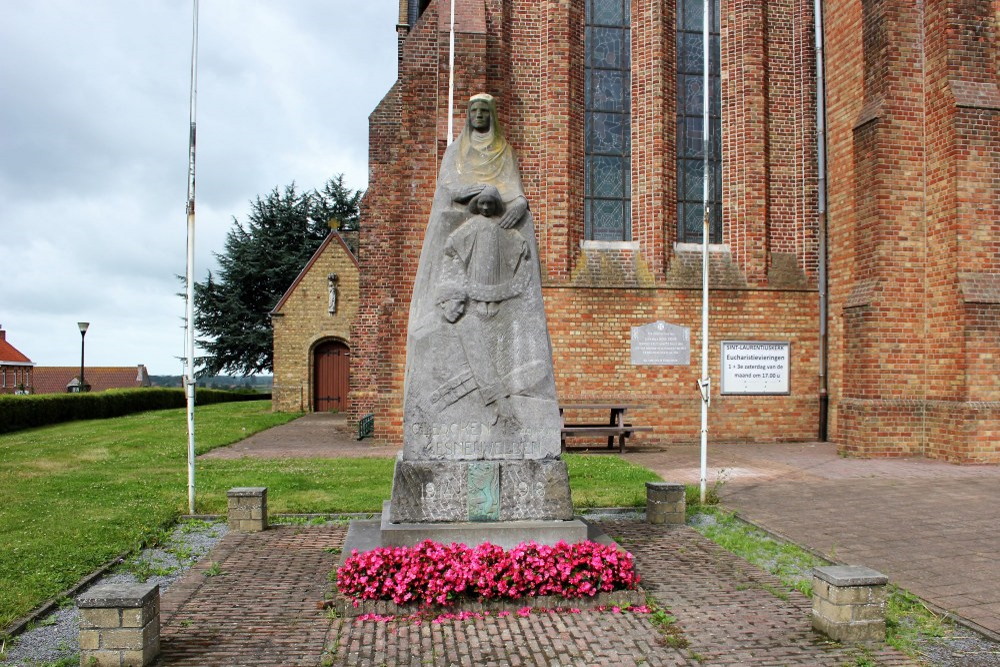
(77, 494)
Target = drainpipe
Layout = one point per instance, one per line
(824, 398)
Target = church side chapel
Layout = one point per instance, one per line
(866, 247)
(312, 337)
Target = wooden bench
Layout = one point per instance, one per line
(615, 427)
(621, 432)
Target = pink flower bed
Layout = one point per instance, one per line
(432, 573)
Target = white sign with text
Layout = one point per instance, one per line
(756, 367)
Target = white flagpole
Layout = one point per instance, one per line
(705, 384)
(189, 382)
(451, 76)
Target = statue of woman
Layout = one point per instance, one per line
(479, 381)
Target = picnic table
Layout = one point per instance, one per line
(614, 427)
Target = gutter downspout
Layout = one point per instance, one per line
(451, 75)
(824, 398)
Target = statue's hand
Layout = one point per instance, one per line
(465, 194)
(515, 211)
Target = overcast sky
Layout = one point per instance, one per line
(94, 151)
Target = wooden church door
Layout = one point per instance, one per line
(331, 370)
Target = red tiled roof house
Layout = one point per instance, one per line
(15, 368)
(56, 379)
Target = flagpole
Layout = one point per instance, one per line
(189, 381)
(705, 384)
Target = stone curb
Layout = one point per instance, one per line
(345, 608)
(52, 604)
(331, 516)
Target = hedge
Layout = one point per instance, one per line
(20, 412)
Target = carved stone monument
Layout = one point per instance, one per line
(481, 420)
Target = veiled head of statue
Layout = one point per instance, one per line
(479, 115)
(482, 112)
(482, 148)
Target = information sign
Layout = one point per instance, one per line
(756, 367)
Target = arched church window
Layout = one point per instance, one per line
(690, 123)
(415, 9)
(608, 143)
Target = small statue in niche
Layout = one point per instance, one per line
(331, 285)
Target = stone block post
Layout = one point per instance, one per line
(849, 603)
(665, 503)
(248, 509)
(119, 625)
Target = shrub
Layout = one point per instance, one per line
(20, 412)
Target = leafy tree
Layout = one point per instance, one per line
(262, 257)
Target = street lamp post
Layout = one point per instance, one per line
(83, 333)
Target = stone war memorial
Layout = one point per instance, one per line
(481, 446)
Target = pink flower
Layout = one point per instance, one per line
(431, 573)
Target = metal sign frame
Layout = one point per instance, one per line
(783, 344)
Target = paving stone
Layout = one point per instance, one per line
(261, 610)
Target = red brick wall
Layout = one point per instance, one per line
(914, 227)
(746, 197)
(530, 55)
(590, 331)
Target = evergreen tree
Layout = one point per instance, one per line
(262, 257)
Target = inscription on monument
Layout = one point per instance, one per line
(661, 344)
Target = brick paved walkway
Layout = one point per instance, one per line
(318, 435)
(932, 527)
(260, 609)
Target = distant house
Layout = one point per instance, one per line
(16, 369)
(58, 379)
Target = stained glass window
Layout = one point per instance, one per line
(690, 123)
(608, 190)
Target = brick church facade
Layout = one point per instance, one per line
(602, 101)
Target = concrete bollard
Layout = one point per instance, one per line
(665, 503)
(119, 625)
(849, 603)
(247, 509)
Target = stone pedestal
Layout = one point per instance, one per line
(665, 503)
(849, 603)
(120, 625)
(372, 534)
(248, 509)
(488, 491)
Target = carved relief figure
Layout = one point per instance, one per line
(489, 258)
(478, 351)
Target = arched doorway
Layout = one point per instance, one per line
(331, 370)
